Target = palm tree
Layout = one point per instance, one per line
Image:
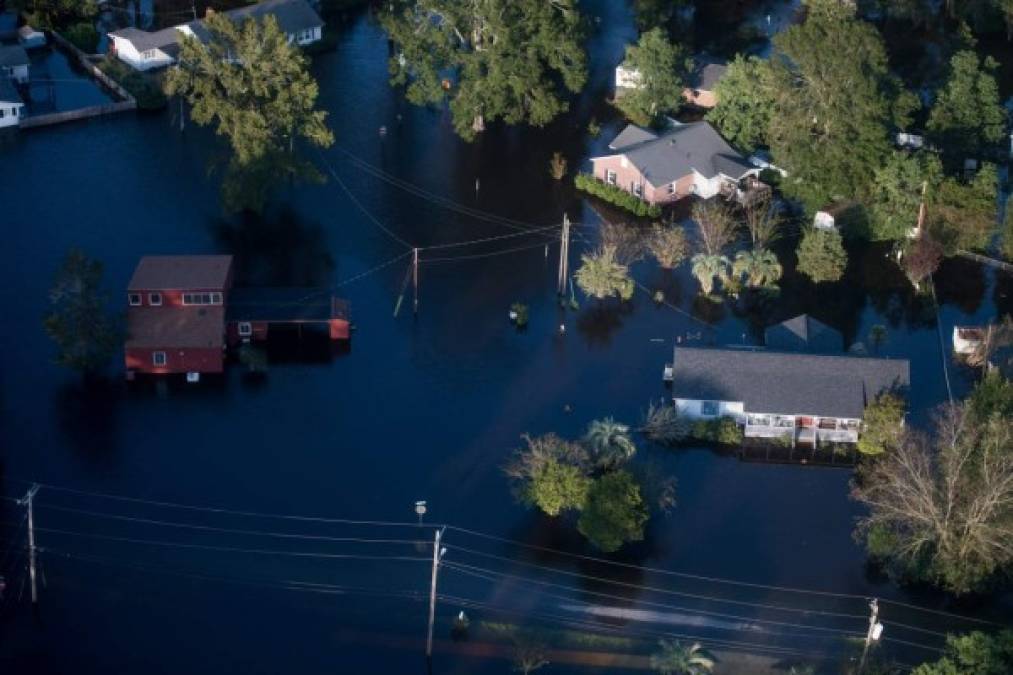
(610, 442)
(706, 267)
(675, 659)
(602, 276)
(759, 267)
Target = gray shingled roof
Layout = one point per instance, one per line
(785, 383)
(181, 272)
(8, 92)
(292, 16)
(706, 74)
(13, 55)
(804, 333)
(679, 151)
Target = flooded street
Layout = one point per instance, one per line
(424, 407)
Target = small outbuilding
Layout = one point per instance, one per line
(12, 108)
(14, 63)
(703, 82)
(29, 38)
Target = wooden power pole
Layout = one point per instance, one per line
(875, 629)
(437, 557)
(564, 256)
(27, 501)
(415, 277)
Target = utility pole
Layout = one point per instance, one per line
(875, 630)
(415, 277)
(564, 256)
(921, 210)
(437, 557)
(26, 501)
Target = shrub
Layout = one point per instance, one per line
(883, 426)
(724, 430)
(821, 255)
(614, 512)
(616, 196)
(144, 88)
(519, 312)
(83, 36)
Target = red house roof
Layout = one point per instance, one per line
(181, 272)
(176, 327)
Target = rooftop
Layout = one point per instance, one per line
(679, 151)
(181, 272)
(8, 92)
(706, 74)
(13, 55)
(805, 334)
(295, 305)
(193, 327)
(786, 383)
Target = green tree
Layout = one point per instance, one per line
(759, 268)
(83, 36)
(882, 425)
(54, 14)
(975, 653)
(707, 268)
(821, 255)
(897, 193)
(255, 87)
(745, 103)
(601, 276)
(614, 512)
(85, 333)
(661, 70)
(675, 658)
(550, 473)
(610, 443)
(835, 102)
(497, 59)
(967, 117)
(1007, 231)
(962, 215)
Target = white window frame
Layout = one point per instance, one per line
(155, 359)
(671, 188)
(245, 329)
(611, 177)
(202, 298)
(131, 297)
(155, 299)
(637, 189)
(216, 298)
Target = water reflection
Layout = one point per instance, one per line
(86, 414)
(602, 319)
(962, 283)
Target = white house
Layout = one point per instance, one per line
(11, 106)
(14, 63)
(144, 51)
(804, 397)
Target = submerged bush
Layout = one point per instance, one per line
(616, 196)
(144, 88)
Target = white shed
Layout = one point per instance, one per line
(11, 106)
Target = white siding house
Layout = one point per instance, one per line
(14, 63)
(11, 106)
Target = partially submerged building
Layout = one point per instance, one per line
(14, 63)
(806, 398)
(143, 50)
(183, 312)
(687, 159)
(12, 107)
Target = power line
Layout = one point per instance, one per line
(483, 255)
(476, 571)
(373, 270)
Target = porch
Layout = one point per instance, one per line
(746, 191)
(802, 430)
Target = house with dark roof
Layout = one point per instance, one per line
(14, 63)
(183, 313)
(686, 159)
(806, 398)
(804, 334)
(703, 81)
(144, 50)
(12, 108)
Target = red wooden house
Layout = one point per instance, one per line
(183, 313)
(176, 314)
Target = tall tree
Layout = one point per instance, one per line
(899, 186)
(615, 512)
(494, 59)
(835, 101)
(660, 68)
(745, 103)
(85, 333)
(975, 653)
(821, 255)
(610, 443)
(962, 215)
(255, 87)
(968, 116)
(601, 276)
(676, 658)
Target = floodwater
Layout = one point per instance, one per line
(424, 407)
(58, 84)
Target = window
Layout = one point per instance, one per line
(154, 299)
(671, 188)
(610, 176)
(638, 189)
(202, 298)
(245, 329)
(158, 359)
(2, 112)
(134, 299)
(709, 408)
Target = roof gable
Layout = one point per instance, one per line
(804, 333)
(13, 55)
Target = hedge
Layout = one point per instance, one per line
(144, 88)
(724, 430)
(616, 196)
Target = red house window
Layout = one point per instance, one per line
(158, 359)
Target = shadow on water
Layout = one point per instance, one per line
(601, 320)
(962, 283)
(86, 414)
(278, 248)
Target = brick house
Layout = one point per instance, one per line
(687, 159)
